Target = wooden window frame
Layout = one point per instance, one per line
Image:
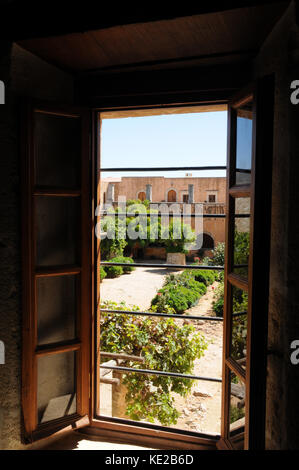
(257, 284)
(30, 350)
(255, 414)
(112, 430)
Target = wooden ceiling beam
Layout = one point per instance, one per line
(208, 84)
(23, 19)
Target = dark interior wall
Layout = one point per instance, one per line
(280, 55)
(24, 75)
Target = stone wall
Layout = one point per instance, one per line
(280, 54)
(23, 75)
(130, 187)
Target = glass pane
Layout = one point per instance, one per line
(241, 236)
(236, 409)
(56, 309)
(56, 389)
(239, 326)
(57, 151)
(242, 206)
(244, 144)
(57, 221)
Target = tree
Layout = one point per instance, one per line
(164, 346)
(142, 225)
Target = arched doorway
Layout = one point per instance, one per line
(141, 196)
(171, 196)
(207, 241)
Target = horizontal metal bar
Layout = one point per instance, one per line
(141, 214)
(105, 380)
(184, 215)
(125, 357)
(165, 168)
(167, 374)
(238, 314)
(166, 266)
(166, 315)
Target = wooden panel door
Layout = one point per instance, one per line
(56, 269)
(249, 162)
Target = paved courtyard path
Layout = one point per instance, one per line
(136, 288)
(201, 410)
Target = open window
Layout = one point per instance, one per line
(61, 348)
(56, 269)
(249, 162)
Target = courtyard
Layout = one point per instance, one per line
(200, 410)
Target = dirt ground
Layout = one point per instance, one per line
(136, 288)
(200, 410)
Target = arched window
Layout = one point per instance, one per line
(141, 196)
(171, 196)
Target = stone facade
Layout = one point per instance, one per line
(186, 189)
(131, 187)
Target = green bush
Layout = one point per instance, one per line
(165, 346)
(114, 271)
(236, 413)
(103, 273)
(114, 243)
(124, 259)
(218, 307)
(179, 293)
(206, 277)
(218, 302)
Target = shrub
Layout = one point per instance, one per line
(114, 271)
(206, 277)
(218, 307)
(236, 413)
(164, 346)
(114, 242)
(179, 292)
(218, 303)
(218, 255)
(124, 259)
(171, 297)
(103, 273)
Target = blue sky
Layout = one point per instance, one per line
(195, 139)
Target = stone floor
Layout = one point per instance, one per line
(77, 441)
